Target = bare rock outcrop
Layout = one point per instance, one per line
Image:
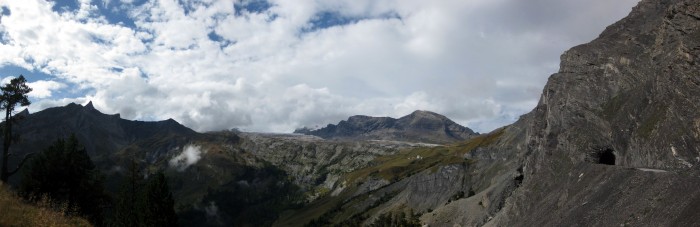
(619, 106)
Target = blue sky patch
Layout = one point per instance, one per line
(188, 6)
(71, 91)
(218, 39)
(65, 6)
(13, 70)
(251, 6)
(4, 38)
(4, 11)
(117, 13)
(327, 19)
(114, 12)
(117, 69)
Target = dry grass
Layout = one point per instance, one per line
(15, 212)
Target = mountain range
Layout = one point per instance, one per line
(613, 141)
(285, 169)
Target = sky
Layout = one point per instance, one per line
(278, 65)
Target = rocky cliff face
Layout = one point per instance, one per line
(419, 126)
(633, 91)
(623, 104)
(315, 164)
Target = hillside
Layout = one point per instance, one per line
(248, 178)
(205, 170)
(419, 126)
(17, 213)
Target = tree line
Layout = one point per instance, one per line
(64, 177)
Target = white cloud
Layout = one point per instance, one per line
(190, 155)
(44, 88)
(481, 63)
(40, 88)
(6, 80)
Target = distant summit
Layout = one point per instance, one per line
(419, 126)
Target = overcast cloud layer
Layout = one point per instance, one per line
(277, 65)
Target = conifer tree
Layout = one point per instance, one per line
(144, 203)
(128, 208)
(13, 94)
(158, 202)
(65, 175)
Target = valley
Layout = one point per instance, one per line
(613, 141)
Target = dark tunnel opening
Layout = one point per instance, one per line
(606, 157)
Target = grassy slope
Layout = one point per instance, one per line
(14, 212)
(392, 168)
(412, 161)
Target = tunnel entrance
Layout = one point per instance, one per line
(606, 157)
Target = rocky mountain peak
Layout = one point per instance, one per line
(358, 118)
(89, 106)
(419, 126)
(425, 120)
(23, 113)
(425, 114)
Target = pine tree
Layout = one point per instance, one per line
(65, 174)
(158, 202)
(13, 94)
(128, 210)
(144, 203)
